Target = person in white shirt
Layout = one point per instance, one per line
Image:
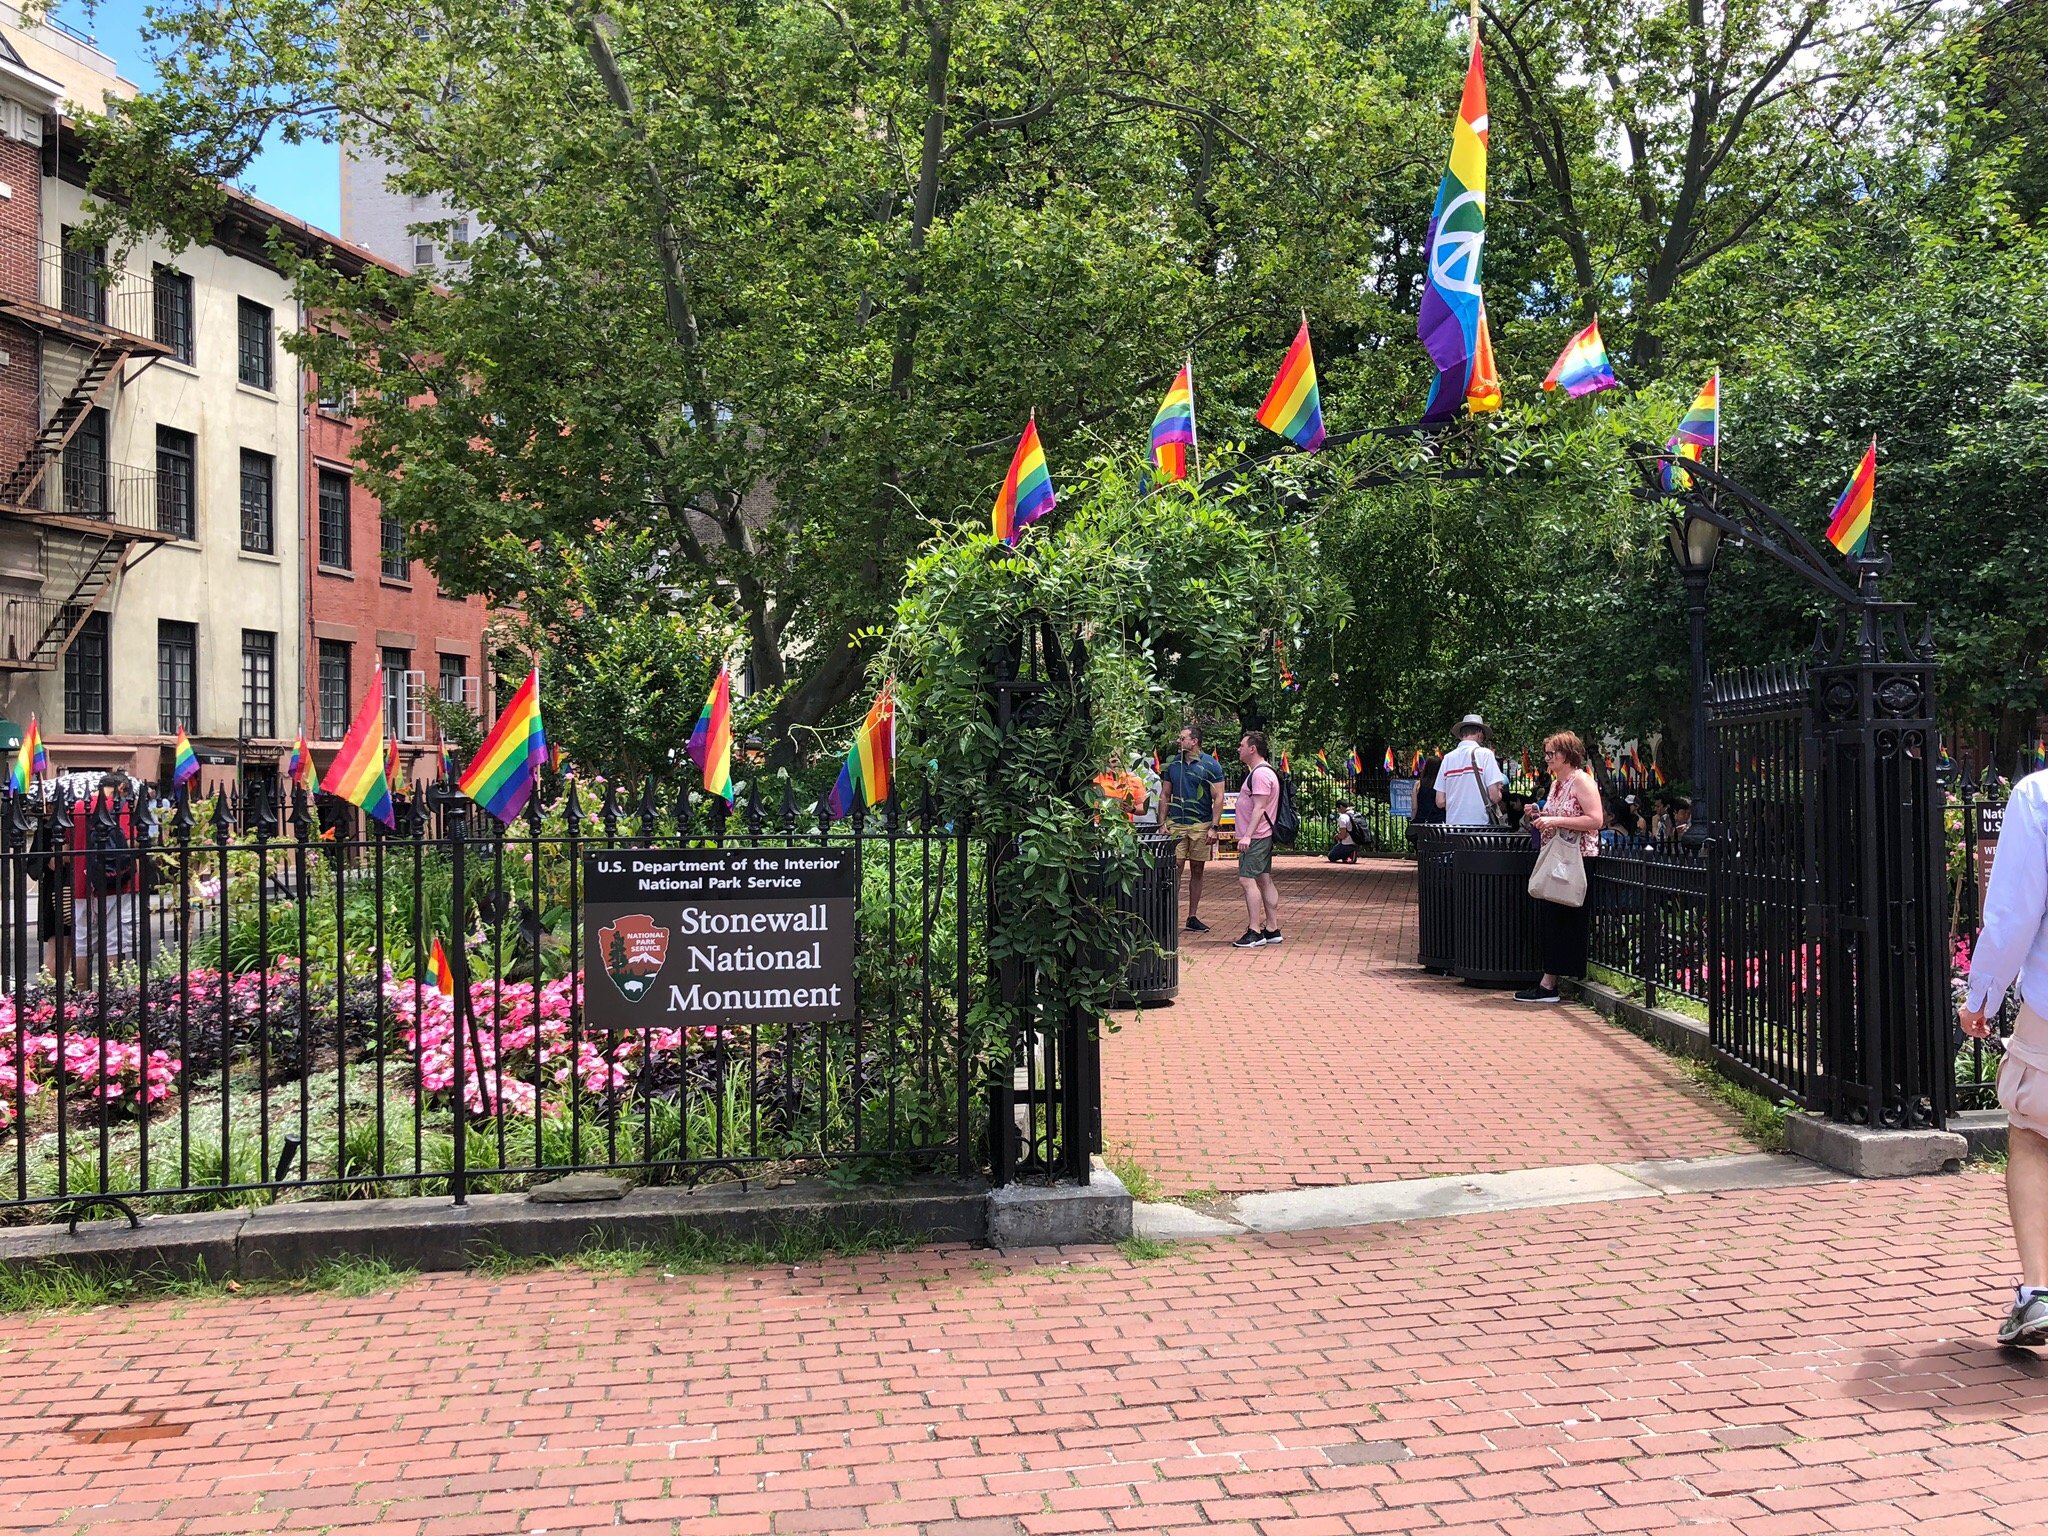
(2012, 946)
(1469, 777)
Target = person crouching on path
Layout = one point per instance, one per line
(1194, 806)
(2012, 947)
(1258, 799)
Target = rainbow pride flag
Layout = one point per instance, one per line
(1582, 367)
(1387, 761)
(32, 762)
(2040, 753)
(298, 765)
(1173, 429)
(1354, 765)
(1293, 407)
(1849, 526)
(711, 741)
(1698, 435)
(443, 972)
(1415, 764)
(1452, 325)
(357, 773)
(500, 778)
(1026, 495)
(871, 761)
(184, 761)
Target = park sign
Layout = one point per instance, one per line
(689, 937)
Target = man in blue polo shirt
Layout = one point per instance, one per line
(1194, 805)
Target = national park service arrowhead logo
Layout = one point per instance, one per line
(633, 949)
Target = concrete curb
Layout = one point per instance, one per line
(425, 1233)
(1062, 1215)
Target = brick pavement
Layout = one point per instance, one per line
(1765, 1363)
(1333, 1059)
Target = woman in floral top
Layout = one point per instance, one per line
(1573, 810)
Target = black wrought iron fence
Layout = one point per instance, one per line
(1971, 823)
(220, 1003)
(1649, 919)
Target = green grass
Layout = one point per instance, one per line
(1143, 1250)
(1137, 1179)
(1763, 1118)
(355, 1275)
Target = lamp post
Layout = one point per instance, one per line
(1695, 541)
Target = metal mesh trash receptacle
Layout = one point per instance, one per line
(1155, 902)
(1494, 916)
(1435, 923)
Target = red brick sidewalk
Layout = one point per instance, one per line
(1766, 1364)
(1333, 1059)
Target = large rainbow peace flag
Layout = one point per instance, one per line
(1849, 526)
(1026, 495)
(357, 772)
(1452, 325)
(1173, 429)
(501, 776)
(870, 761)
(1293, 407)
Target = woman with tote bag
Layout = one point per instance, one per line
(1569, 823)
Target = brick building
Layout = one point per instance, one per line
(367, 604)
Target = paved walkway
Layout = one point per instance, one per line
(1764, 1363)
(1333, 1059)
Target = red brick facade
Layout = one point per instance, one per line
(20, 228)
(353, 608)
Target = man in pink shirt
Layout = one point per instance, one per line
(1257, 801)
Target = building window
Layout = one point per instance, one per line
(396, 664)
(259, 684)
(334, 510)
(83, 296)
(252, 344)
(85, 467)
(85, 675)
(177, 676)
(174, 311)
(334, 399)
(391, 550)
(451, 678)
(458, 232)
(258, 483)
(423, 254)
(333, 689)
(176, 509)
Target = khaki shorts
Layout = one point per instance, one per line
(1255, 858)
(2023, 1086)
(1192, 838)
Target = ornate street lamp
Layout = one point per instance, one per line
(1695, 541)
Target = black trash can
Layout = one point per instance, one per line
(1155, 902)
(1494, 917)
(1436, 933)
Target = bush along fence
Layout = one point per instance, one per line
(214, 1003)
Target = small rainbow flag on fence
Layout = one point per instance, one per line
(2040, 753)
(1387, 761)
(1698, 436)
(357, 773)
(1354, 765)
(501, 776)
(711, 741)
(1292, 407)
(1027, 494)
(1173, 429)
(1849, 526)
(298, 765)
(443, 972)
(1582, 367)
(871, 761)
(184, 761)
(32, 762)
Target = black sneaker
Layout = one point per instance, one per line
(1196, 925)
(1272, 935)
(1538, 994)
(1251, 938)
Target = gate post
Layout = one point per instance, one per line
(1883, 977)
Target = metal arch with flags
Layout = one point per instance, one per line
(1452, 325)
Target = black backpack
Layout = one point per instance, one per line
(110, 858)
(1286, 819)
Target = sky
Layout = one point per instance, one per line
(302, 179)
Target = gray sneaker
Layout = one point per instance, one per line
(2028, 1323)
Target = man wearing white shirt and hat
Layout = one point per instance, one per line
(2012, 946)
(1469, 777)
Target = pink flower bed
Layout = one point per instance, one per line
(116, 1071)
